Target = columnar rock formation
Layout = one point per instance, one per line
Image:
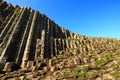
(30, 40)
(27, 35)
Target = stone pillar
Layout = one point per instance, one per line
(42, 44)
(71, 35)
(52, 39)
(28, 44)
(60, 44)
(8, 66)
(63, 44)
(71, 43)
(55, 46)
(63, 35)
(5, 34)
(67, 43)
(47, 39)
(24, 38)
(56, 31)
(38, 51)
(9, 38)
(30, 64)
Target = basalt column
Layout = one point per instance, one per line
(11, 45)
(24, 38)
(28, 37)
(29, 42)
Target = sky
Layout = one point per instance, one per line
(94, 18)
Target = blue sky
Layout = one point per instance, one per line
(97, 18)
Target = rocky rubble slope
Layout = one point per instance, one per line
(33, 47)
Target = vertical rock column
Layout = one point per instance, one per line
(5, 21)
(19, 34)
(63, 32)
(71, 35)
(47, 39)
(39, 37)
(52, 39)
(55, 46)
(8, 30)
(29, 41)
(35, 37)
(9, 41)
(67, 44)
(8, 10)
(6, 26)
(64, 44)
(3, 5)
(56, 31)
(60, 44)
(24, 38)
(38, 51)
(42, 44)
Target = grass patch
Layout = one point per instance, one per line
(16, 11)
(115, 74)
(101, 62)
(66, 74)
(25, 78)
(74, 75)
(83, 68)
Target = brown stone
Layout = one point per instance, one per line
(52, 69)
(45, 69)
(30, 64)
(77, 61)
(8, 66)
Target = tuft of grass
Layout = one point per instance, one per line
(60, 56)
(83, 68)
(74, 75)
(91, 75)
(58, 74)
(66, 74)
(103, 61)
(25, 78)
(115, 74)
(54, 62)
(114, 66)
(16, 11)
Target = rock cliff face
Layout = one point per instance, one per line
(31, 41)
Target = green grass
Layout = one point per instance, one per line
(115, 74)
(83, 68)
(114, 66)
(91, 75)
(25, 78)
(66, 74)
(16, 11)
(101, 62)
(54, 62)
(60, 56)
(74, 75)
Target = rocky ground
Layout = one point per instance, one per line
(94, 64)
